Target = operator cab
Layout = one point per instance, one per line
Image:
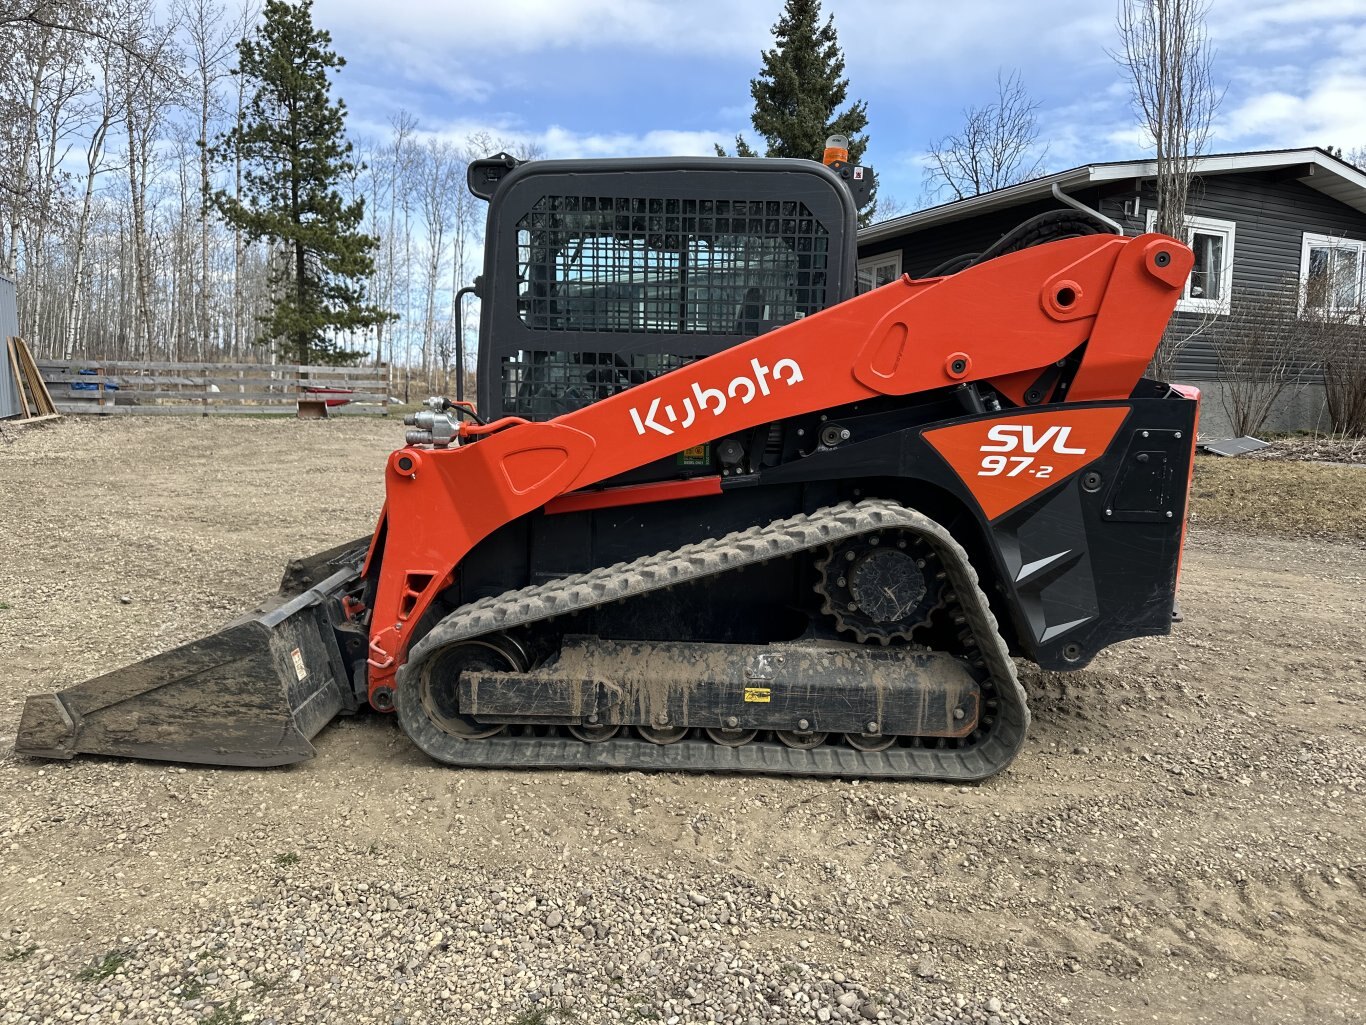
(602, 274)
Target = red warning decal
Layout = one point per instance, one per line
(1010, 459)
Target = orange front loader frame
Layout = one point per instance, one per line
(1004, 322)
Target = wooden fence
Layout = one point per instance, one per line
(109, 387)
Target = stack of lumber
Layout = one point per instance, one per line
(35, 403)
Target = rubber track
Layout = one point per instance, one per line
(786, 537)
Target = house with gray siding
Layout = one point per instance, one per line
(1255, 221)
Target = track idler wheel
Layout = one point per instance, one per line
(438, 684)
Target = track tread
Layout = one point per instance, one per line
(708, 558)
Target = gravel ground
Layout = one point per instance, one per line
(1179, 842)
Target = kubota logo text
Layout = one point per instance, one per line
(683, 413)
(1015, 437)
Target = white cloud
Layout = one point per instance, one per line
(1329, 110)
(1264, 23)
(880, 38)
(522, 26)
(1318, 99)
(557, 142)
(1130, 139)
(561, 142)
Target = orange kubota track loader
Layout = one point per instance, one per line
(717, 510)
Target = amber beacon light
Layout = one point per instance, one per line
(836, 150)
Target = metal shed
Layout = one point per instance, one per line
(9, 326)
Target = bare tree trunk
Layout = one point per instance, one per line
(398, 161)
(238, 242)
(142, 341)
(94, 158)
(210, 48)
(29, 133)
(1165, 50)
(436, 185)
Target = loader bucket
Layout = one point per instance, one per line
(254, 693)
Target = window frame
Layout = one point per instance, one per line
(1317, 240)
(1209, 226)
(871, 263)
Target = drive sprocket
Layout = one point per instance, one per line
(880, 587)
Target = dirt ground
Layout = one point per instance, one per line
(1180, 841)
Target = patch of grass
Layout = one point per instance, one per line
(104, 967)
(286, 859)
(17, 953)
(265, 985)
(542, 1016)
(192, 989)
(1276, 497)
(5, 606)
(230, 1013)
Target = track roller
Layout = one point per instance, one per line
(803, 741)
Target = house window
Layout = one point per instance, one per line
(876, 271)
(1210, 286)
(1331, 273)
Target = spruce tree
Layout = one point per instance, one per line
(801, 87)
(291, 139)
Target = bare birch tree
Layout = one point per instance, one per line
(212, 42)
(1165, 51)
(105, 109)
(37, 69)
(438, 172)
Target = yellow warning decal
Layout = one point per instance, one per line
(760, 695)
(698, 455)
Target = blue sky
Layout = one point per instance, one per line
(659, 77)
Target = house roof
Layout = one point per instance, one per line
(1331, 176)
